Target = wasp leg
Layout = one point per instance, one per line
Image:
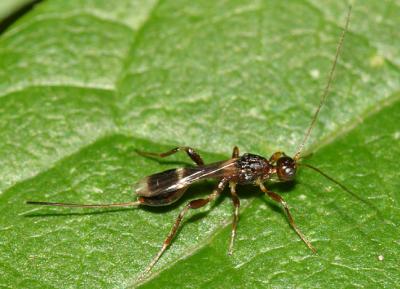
(190, 152)
(236, 206)
(235, 153)
(195, 204)
(280, 200)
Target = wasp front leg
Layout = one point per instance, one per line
(280, 200)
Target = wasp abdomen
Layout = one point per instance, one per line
(162, 199)
(161, 183)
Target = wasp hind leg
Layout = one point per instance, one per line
(189, 151)
(195, 204)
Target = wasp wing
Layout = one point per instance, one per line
(176, 179)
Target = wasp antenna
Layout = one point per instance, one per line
(343, 187)
(327, 87)
(72, 205)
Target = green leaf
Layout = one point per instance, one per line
(83, 84)
(7, 7)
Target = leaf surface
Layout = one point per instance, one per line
(83, 84)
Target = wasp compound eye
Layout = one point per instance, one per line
(286, 168)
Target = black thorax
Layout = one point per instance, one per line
(252, 167)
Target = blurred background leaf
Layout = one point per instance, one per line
(85, 83)
(8, 7)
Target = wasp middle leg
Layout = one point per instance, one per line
(189, 151)
(236, 206)
(235, 152)
(195, 204)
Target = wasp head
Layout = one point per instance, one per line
(286, 168)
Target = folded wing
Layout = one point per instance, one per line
(175, 179)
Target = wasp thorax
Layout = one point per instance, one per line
(286, 168)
